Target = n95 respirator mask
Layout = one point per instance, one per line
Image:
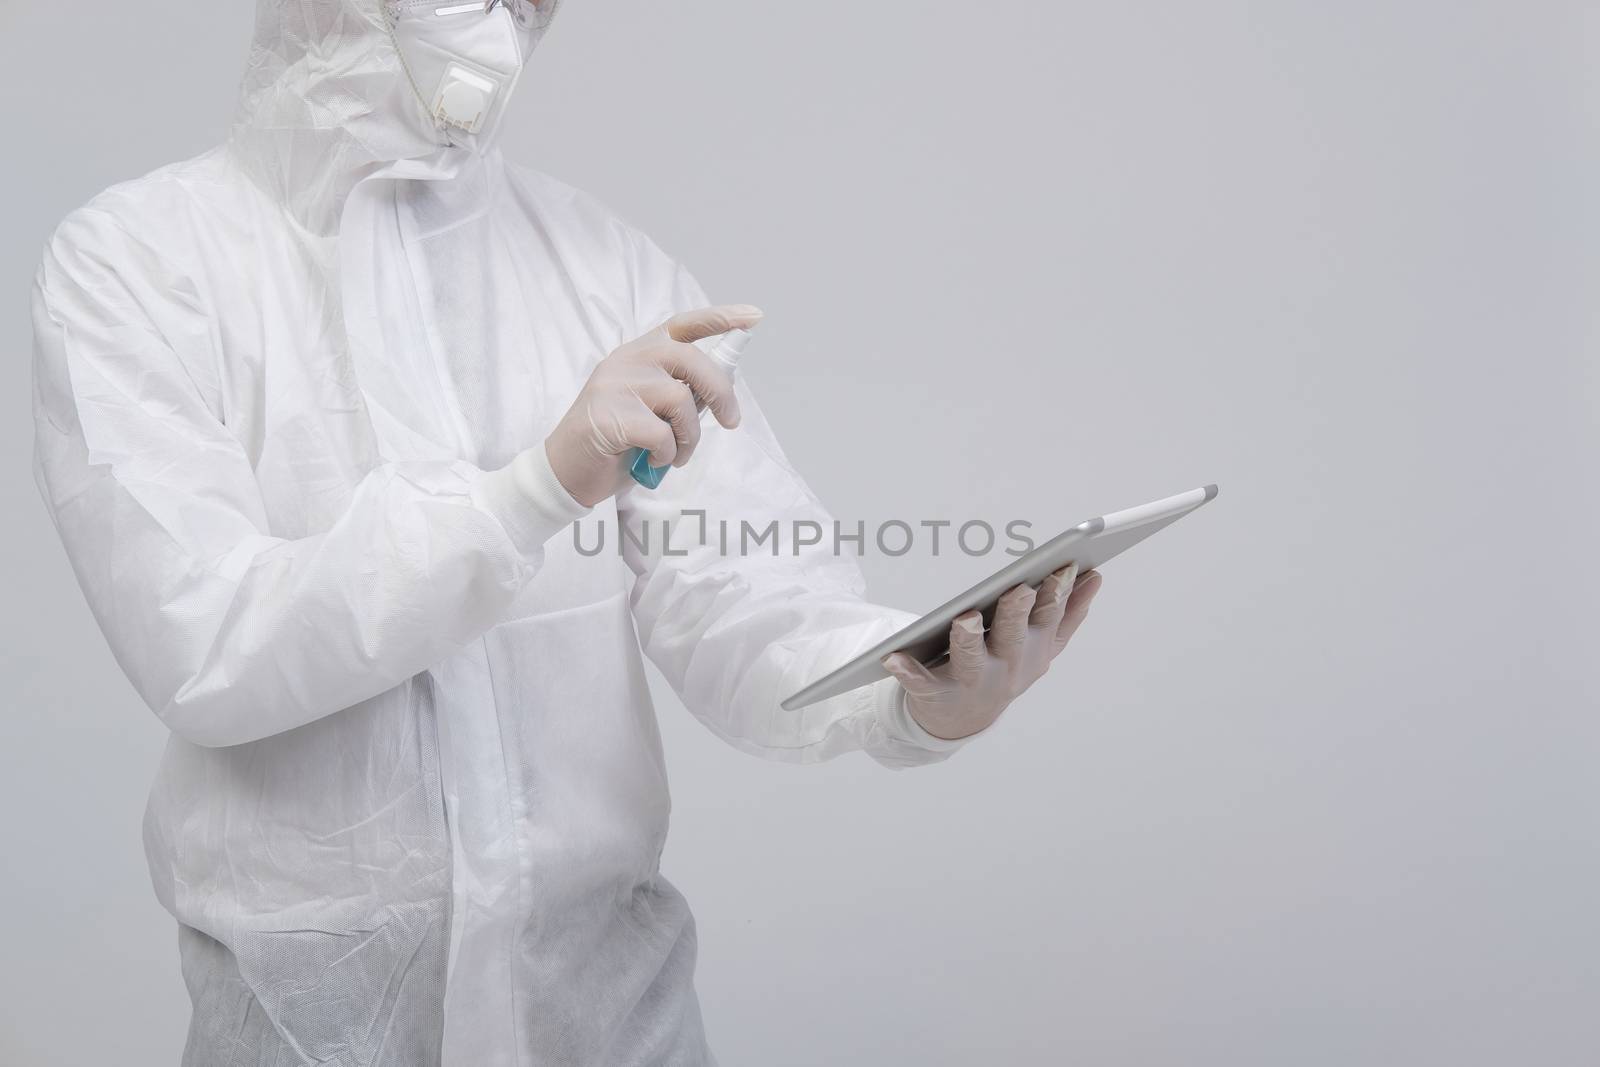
(463, 59)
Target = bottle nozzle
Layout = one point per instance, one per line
(728, 348)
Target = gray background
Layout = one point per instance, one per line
(1317, 783)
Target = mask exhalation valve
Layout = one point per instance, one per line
(464, 97)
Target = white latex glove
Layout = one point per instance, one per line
(645, 395)
(968, 692)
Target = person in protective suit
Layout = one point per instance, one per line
(312, 410)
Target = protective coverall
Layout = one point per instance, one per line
(414, 799)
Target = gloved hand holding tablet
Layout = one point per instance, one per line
(954, 678)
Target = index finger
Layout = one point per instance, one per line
(691, 326)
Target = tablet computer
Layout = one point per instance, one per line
(1088, 544)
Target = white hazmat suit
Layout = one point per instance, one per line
(414, 800)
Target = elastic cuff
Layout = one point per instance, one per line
(898, 725)
(528, 499)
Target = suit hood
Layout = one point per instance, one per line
(327, 99)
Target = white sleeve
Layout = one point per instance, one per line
(230, 633)
(736, 627)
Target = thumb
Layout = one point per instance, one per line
(916, 678)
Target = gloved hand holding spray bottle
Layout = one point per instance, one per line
(725, 350)
(645, 403)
